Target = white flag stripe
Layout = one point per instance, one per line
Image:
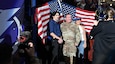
(45, 28)
(40, 29)
(86, 23)
(84, 16)
(85, 13)
(88, 30)
(45, 34)
(44, 7)
(88, 20)
(45, 22)
(45, 18)
(88, 27)
(44, 12)
(39, 23)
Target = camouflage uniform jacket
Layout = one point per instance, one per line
(71, 36)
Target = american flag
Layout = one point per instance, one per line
(43, 15)
(87, 18)
(64, 9)
(54, 6)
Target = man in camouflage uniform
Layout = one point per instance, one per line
(71, 36)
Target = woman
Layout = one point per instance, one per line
(82, 43)
(104, 39)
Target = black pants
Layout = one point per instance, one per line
(56, 51)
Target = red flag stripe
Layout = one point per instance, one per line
(86, 11)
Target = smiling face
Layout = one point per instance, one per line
(78, 22)
(68, 18)
(56, 17)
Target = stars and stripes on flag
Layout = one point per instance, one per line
(63, 9)
(54, 6)
(43, 15)
(87, 18)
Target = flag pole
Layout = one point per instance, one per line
(60, 8)
(60, 4)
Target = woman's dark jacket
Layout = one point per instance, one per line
(104, 36)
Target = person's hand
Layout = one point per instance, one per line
(96, 23)
(84, 45)
(22, 39)
(76, 44)
(60, 41)
(30, 51)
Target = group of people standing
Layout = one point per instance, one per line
(70, 35)
(66, 38)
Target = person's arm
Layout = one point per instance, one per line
(78, 36)
(51, 27)
(96, 29)
(60, 40)
(31, 53)
(54, 36)
(84, 36)
(34, 60)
